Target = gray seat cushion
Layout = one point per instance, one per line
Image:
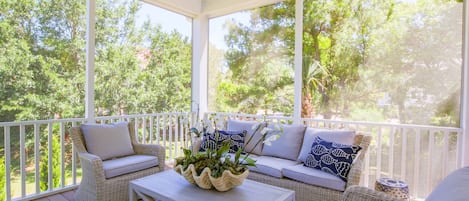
(455, 187)
(337, 136)
(271, 165)
(314, 177)
(107, 140)
(288, 145)
(128, 164)
(251, 138)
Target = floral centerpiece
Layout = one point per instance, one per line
(214, 167)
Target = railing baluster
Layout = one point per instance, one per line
(144, 130)
(136, 130)
(378, 154)
(430, 174)
(459, 149)
(445, 154)
(404, 154)
(7, 162)
(416, 163)
(152, 134)
(158, 123)
(181, 131)
(37, 156)
(22, 161)
(176, 136)
(62, 154)
(164, 133)
(170, 127)
(49, 166)
(391, 152)
(74, 162)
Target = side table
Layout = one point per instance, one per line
(393, 187)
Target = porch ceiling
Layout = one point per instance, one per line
(209, 8)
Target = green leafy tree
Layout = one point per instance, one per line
(2, 178)
(139, 69)
(333, 47)
(408, 64)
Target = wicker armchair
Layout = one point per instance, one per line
(94, 185)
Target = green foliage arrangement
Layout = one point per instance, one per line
(218, 160)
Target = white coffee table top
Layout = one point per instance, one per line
(168, 185)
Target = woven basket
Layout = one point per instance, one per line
(224, 183)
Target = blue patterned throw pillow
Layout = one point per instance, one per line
(215, 140)
(332, 157)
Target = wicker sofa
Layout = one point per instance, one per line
(289, 172)
(107, 179)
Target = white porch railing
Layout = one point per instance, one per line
(419, 155)
(28, 146)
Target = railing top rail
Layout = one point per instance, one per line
(32, 122)
(142, 115)
(47, 121)
(414, 126)
(451, 129)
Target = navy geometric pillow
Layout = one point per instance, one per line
(332, 157)
(215, 140)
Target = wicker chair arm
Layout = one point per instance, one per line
(152, 149)
(360, 193)
(93, 165)
(355, 173)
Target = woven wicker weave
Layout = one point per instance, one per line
(94, 186)
(205, 180)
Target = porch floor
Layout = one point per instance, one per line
(65, 196)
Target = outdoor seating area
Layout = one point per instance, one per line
(110, 158)
(283, 163)
(286, 100)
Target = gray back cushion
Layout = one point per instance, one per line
(251, 137)
(337, 136)
(288, 145)
(107, 140)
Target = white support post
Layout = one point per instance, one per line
(90, 49)
(200, 64)
(464, 157)
(298, 85)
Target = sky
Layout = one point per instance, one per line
(170, 21)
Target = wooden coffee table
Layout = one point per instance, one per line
(168, 185)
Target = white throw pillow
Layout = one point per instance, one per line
(238, 125)
(107, 140)
(289, 143)
(337, 136)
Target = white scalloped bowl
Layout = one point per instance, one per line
(226, 182)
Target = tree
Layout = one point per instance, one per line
(44, 166)
(2, 178)
(259, 63)
(409, 63)
(334, 42)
